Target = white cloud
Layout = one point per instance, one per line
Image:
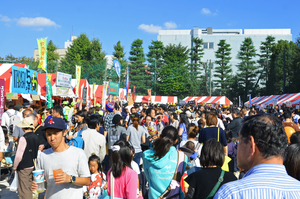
(38, 21)
(170, 25)
(205, 11)
(155, 29)
(38, 29)
(4, 18)
(150, 28)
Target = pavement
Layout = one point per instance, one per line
(5, 193)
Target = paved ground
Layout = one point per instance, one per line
(5, 193)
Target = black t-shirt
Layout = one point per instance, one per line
(40, 132)
(205, 179)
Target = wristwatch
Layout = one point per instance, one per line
(73, 179)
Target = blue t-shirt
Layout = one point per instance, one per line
(101, 130)
(212, 132)
(184, 133)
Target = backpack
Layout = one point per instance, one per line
(77, 141)
(174, 189)
(13, 120)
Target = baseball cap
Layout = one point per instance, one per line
(26, 104)
(188, 113)
(65, 102)
(27, 123)
(98, 105)
(178, 111)
(55, 123)
(18, 107)
(73, 103)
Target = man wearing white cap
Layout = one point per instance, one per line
(26, 153)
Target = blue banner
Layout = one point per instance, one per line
(24, 81)
(117, 66)
(250, 100)
(127, 82)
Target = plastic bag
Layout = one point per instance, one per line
(14, 184)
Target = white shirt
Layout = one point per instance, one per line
(2, 141)
(94, 142)
(5, 118)
(220, 124)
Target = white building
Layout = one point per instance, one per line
(212, 37)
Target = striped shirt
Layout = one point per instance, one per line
(263, 181)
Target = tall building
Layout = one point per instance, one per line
(211, 37)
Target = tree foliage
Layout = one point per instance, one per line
(195, 66)
(52, 57)
(139, 74)
(223, 71)
(87, 54)
(154, 55)
(247, 68)
(173, 77)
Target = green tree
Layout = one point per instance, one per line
(265, 60)
(223, 71)
(154, 57)
(138, 71)
(119, 54)
(173, 77)
(247, 68)
(195, 66)
(52, 57)
(284, 55)
(87, 54)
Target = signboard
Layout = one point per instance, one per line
(113, 88)
(12, 96)
(63, 80)
(2, 99)
(62, 91)
(24, 80)
(35, 97)
(181, 102)
(49, 91)
(191, 102)
(78, 73)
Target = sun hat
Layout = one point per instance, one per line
(27, 123)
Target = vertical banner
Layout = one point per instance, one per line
(94, 94)
(84, 93)
(239, 101)
(42, 45)
(2, 98)
(117, 66)
(78, 74)
(49, 91)
(127, 82)
(133, 93)
(149, 94)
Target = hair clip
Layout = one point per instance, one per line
(115, 148)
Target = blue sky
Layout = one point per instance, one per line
(110, 21)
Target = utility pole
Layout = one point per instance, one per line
(155, 77)
(210, 77)
(283, 71)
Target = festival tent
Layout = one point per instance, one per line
(82, 84)
(294, 98)
(223, 100)
(6, 74)
(98, 90)
(42, 91)
(156, 99)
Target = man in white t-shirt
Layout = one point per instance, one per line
(71, 160)
(94, 142)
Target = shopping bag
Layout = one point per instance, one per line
(14, 184)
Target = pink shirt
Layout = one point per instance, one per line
(125, 185)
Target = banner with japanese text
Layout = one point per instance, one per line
(42, 46)
(24, 80)
(49, 91)
(78, 74)
(63, 80)
(113, 88)
(2, 98)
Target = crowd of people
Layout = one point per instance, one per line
(154, 151)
